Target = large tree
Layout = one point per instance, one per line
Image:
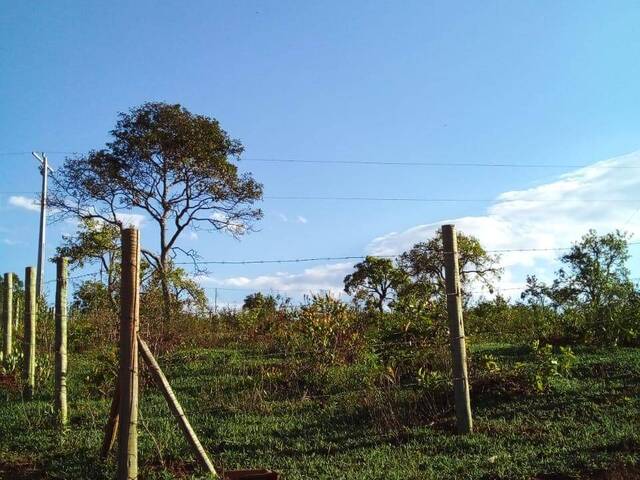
(424, 263)
(172, 166)
(375, 282)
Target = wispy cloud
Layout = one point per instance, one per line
(548, 216)
(297, 219)
(327, 278)
(131, 219)
(24, 202)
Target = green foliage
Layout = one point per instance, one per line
(171, 165)
(577, 429)
(375, 282)
(592, 297)
(546, 365)
(424, 263)
(259, 301)
(12, 363)
(329, 329)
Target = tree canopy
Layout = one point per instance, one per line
(172, 166)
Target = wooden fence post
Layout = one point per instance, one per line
(7, 318)
(29, 341)
(61, 341)
(128, 373)
(464, 423)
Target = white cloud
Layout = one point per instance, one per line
(131, 219)
(551, 215)
(283, 217)
(225, 223)
(193, 235)
(11, 243)
(327, 278)
(548, 216)
(302, 219)
(24, 202)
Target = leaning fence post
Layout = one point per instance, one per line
(61, 340)
(128, 373)
(464, 422)
(7, 318)
(29, 341)
(176, 408)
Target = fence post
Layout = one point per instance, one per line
(464, 423)
(61, 341)
(128, 373)
(29, 341)
(7, 319)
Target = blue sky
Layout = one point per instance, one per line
(519, 82)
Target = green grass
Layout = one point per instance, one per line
(585, 426)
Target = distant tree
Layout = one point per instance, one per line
(594, 284)
(169, 164)
(374, 282)
(91, 295)
(259, 301)
(95, 242)
(424, 264)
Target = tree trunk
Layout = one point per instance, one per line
(164, 282)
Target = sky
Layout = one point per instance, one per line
(519, 83)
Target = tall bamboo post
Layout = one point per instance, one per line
(61, 341)
(7, 318)
(29, 341)
(128, 373)
(464, 423)
(176, 408)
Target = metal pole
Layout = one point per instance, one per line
(44, 164)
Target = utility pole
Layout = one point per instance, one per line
(44, 170)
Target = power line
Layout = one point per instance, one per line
(446, 200)
(48, 152)
(360, 257)
(7, 192)
(290, 260)
(435, 164)
(415, 199)
(388, 162)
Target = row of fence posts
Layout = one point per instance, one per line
(30, 319)
(124, 411)
(130, 341)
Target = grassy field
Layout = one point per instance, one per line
(584, 426)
